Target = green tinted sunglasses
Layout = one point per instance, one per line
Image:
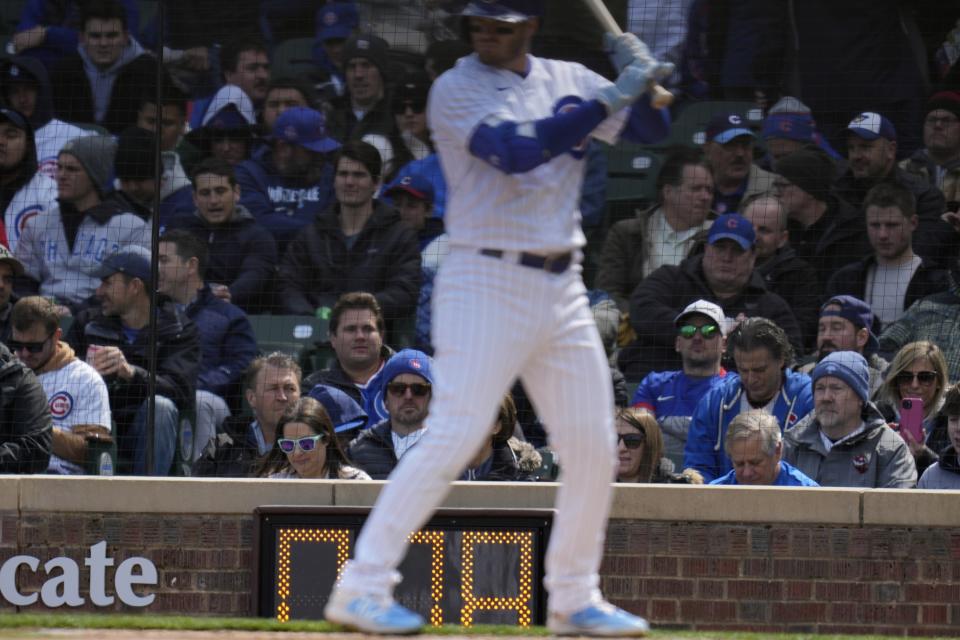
(707, 331)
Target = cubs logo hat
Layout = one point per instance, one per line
(725, 127)
(408, 361)
(132, 260)
(732, 226)
(304, 127)
(337, 21)
(413, 184)
(789, 126)
(870, 126)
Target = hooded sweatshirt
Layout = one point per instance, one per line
(29, 194)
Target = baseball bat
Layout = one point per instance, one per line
(659, 97)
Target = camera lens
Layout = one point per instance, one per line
(908, 404)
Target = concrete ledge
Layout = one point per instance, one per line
(9, 498)
(911, 508)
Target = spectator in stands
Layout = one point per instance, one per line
(10, 268)
(945, 472)
(365, 107)
(25, 425)
(25, 87)
(245, 65)
(724, 274)
(306, 447)
(226, 128)
(412, 196)
(63, 248)
(663, 234)
(784, 273)
(283, 94)
(407, 382)
(640, 448)
(77, 395)
(935, 318)
(135, 168)
(47, 30)
(242, 255)
(788, 127)
(764, 381)
(271, 384)
(24, 191)
(754, 445)
(918, 371)
(872, 152)
(411, 138)
(846, 442)
(103, 80)
(729, 151)
(846, 324)
(825, 231)
(116, 341)
(336, 22)
(171, 120)
(292, 182)
(938, 163)
(347, 416)
(358, 244)
(356, 335)
(503, 457)
(671, 396)
(892, 277)
(227, 343)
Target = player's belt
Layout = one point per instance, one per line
(554, 263)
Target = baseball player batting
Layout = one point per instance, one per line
(509, 301)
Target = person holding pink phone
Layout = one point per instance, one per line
(913, 389)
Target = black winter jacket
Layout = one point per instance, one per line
(795, 280)
(25, 424)
(373, 451)
(838, 238)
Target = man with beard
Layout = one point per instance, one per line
(407, 379)
(292, 182)
(729, 151)
(846, 441)
(671, 396)
(846, 324)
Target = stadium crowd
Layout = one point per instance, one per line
(783, 309)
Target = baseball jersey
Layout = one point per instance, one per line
(532, 211)
(77, 395)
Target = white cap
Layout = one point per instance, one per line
(705, 308)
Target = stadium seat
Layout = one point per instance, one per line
(631, 179)
(288, 334)
(689, 127)
(293, 58)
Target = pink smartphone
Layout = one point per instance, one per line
(911, 417)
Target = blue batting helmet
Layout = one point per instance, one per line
(504, 10)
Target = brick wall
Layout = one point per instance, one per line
(798, 578)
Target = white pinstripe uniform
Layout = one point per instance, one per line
(495, 320)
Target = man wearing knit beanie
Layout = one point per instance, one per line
(136, 165)
(364, 109)
(846, 442)
(824, 230)
(939, 161)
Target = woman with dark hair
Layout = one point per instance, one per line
(504, 457)
(306, 447)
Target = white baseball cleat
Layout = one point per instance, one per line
(371, 613)
(598, 620)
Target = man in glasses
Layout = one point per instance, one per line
(938, 163)
(846, 324)
(407, 389)
(847, 443)
(671, 396)
(77, 395)
(764, 381)
(512, 131)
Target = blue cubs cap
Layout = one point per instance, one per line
(408, 361)
(337, 20)
(132, 260)
(870, 126)
(15, 118)
(848, 366)
(725, 127)
(732, 226)
(344, 412)
(305, 128)
(857, 312)
(790, 126)
(414, 184)
(504, 10)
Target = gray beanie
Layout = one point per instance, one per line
(96, 154)
(850, 367)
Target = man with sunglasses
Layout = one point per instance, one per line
(511, 131)
(846, 441)
(77, 395)
(407, 379)
(672, 396)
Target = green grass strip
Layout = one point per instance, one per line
(189, 623)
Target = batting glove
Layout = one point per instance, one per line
(626, 49)
(630, 84)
